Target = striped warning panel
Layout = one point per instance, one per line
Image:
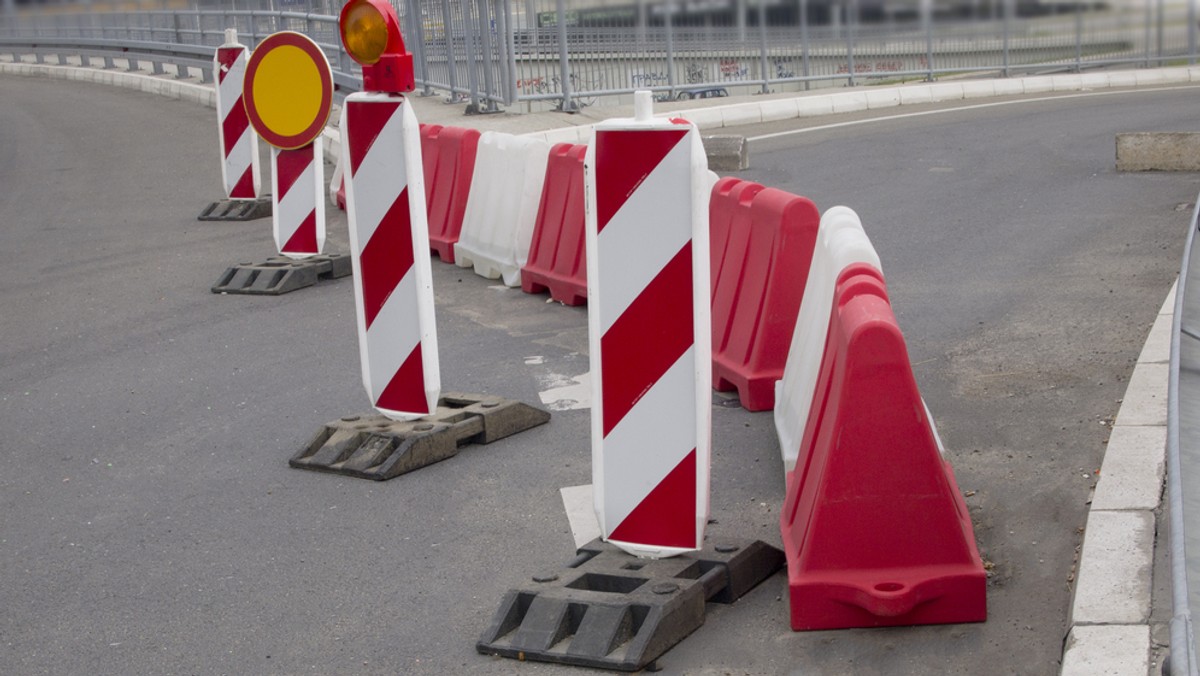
(240, 172)
(297, 182)
(389, 245)
(649, 326)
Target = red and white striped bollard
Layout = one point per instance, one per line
(650, 342)
(389, 249)
(240, 173)
(298, 211)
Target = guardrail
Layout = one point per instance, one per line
(1183, 458)
(536, 54)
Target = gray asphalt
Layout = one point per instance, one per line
(151, 523)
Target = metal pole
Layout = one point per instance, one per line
(851, 7)
(804, 43)
(1079, 37)
(762, 46)
(417, 25)
(451, 66)
(1008, 11)
(670, 7)
(1191, 10)
(489, 57)
(1160, 32)
(564, 69)
(1149, 22)
(510, 42)
(927, 20)
(472, 57)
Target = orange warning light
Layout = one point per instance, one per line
(371, 35)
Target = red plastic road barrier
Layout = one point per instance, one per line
(449, 162)
(875, 530)
(556, 257)
(762, 245)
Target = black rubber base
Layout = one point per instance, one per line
(280, 275)
(611, 610)
(376, 447)
(236, 210)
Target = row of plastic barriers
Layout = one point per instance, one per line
(513, 209)
(875, 529)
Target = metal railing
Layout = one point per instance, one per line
(538, 54)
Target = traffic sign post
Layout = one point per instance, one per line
(288, 94)
(389, 229)
(393, 283)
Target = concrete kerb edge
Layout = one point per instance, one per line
(1109, 626)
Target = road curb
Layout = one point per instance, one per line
(1109, 629)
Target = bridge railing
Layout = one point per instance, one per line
(537, 54)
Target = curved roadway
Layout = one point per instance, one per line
(151, 524)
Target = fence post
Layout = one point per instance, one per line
(1149, 22)
(1191, 12)
(927, 20)
(1008, 12)
(448, 39)
(670, 7)
(762, 50)
(472, 57)
(1078, 37)
(804, 70)
(489, 57)
(851, 7)
(564, 72)
(1160, 32)
(509, 54)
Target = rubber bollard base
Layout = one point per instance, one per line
(611, 610)
(236, 210)
(279, 275)
(373, 446)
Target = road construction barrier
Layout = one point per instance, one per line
(393, 283)
(240, 173)
(762, 246)
(875, 530)
(449, 162)
(841, 241)
(649, 331)
(502, 206)
(557, 261)
(288, 92)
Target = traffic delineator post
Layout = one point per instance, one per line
(762, 248)
(557, 260)
(874, 527)
(416, 423)
(649, 332)
(393, 283)
(288, 93)
(240, 172)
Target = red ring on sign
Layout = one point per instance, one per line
(305, 44)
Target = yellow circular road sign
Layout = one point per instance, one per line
(288, 90)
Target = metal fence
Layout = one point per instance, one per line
(543, 53)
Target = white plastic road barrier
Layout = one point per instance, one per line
(502, 206)
(649, 330)
(841, 241)
(389, 250)
(298, 214)
(240, 173)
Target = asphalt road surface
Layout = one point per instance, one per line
(150, 524)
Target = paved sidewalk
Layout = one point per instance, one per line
(1111, 616)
